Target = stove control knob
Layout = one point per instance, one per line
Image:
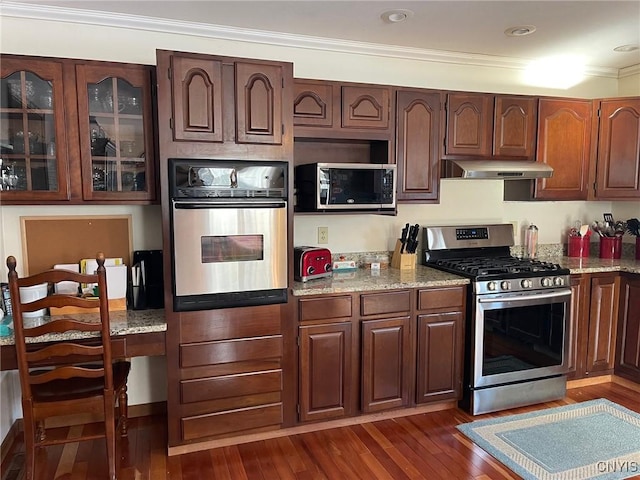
(558, 281)
(547, 282)
(492, 286)
(505, 285)
(526, 283)
(310, 270)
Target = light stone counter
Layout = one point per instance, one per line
(596, 265)
(127, 322)
(362, 280)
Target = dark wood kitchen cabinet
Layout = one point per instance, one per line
(564, 143)
(440, 333)
(323, 109)
(73, 131)
(224, 107)
(628, 344)
(225, 373)
(617, 174)
(594, 320)
(327, 366)
(386, 350)
(490, 126)
(418, 145)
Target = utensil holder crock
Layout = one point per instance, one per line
(610, 247)
(578, 246)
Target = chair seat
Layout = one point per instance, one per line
(77, 388)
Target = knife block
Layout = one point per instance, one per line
(403, 261)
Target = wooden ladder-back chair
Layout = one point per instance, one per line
(68, 376)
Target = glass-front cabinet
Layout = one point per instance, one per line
(32, 130)
(76, 131)
(116, 139)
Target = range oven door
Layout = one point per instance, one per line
(228, 254)
(520, 336)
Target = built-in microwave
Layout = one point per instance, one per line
(345, 186)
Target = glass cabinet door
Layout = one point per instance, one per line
(116, 139)
(31, 128)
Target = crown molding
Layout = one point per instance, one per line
(629, 71)
(223, 32)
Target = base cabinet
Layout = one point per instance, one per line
(594, 320)
(325, 371)
(386, 349)
(225, 371)
(375, 351)
(628, 345)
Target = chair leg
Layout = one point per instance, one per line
(110, 437)
(123, 411)
(29, 446)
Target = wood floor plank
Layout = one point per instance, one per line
(417, 447)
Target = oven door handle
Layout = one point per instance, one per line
(527, 298)
(242, 204)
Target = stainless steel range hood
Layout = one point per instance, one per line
(499, 169)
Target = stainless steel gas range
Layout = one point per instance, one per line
(516, 333)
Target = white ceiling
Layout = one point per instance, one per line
(591, 29)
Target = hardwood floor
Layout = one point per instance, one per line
(425, 446)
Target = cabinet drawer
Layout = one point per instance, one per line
(225, 386)
(324, 308)
(440, 298)
(386, 302)
(240, 350)
(224, 324)
(231, 421)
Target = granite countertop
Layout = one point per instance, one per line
(362, 280)
(125, 322)
(386, 279)
(596, 265)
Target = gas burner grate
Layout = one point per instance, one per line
(481, 266)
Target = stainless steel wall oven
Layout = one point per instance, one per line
(228, 233)
(518, 309)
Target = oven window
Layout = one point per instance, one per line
(522, 338)
(232, 248)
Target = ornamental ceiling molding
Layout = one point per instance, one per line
(223, 32)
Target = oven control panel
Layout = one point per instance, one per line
(475, 233)
(520, 284)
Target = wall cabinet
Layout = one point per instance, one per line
(418, 126)
(324, 109)
(618, 149)
(74, 131)
(483, 125)
(628, 344)
(564, 143)
(594, 321)
(224, 107)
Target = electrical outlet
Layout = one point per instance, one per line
(323, 235)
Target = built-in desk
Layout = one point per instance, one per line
(134, 333)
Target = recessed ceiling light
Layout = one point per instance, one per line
(520, 31)
(396, 16)
(626, 48)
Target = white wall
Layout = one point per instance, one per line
(461, 201)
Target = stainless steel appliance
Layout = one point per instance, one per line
(516, 333)
(228, 233)
(345, 186)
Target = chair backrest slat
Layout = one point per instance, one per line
(60, 326)
(62, 373)
(65, 358)
(64, 349)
